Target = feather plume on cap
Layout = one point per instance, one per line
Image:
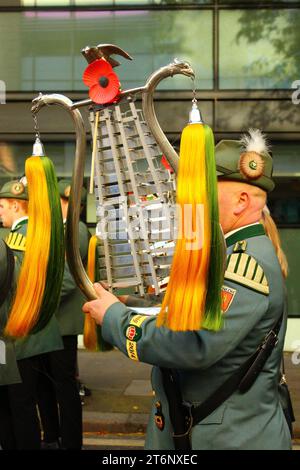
(255, 141)
(254, 147)
(23, 180)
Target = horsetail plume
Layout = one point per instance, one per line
(193, 296)
(39, 281)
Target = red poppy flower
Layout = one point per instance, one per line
(103, 83)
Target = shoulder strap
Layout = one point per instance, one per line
(180, 420)
(265, 349)
(242, 379)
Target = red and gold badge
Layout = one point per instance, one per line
(133, 333)
(227, 297)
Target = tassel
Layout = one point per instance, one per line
(213, 307)
(188, 303)
(39, 282)
(56, 261)
(90, 337)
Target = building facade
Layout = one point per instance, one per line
(246, 57)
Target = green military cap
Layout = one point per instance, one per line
(247, 160)
(64, 187)
(14, 190)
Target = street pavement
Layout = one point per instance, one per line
(121, 392)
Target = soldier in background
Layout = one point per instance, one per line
(9, 373)
(63, 425)
(32, 350)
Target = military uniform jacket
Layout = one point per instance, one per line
(49, 338)
(9, 373)
(253, 299)
(69, 314)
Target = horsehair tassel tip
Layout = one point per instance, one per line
(195, 115)
(38, 148)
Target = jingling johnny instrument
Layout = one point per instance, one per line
(134, 192)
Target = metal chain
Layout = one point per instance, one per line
(194, 100)
(36, 126)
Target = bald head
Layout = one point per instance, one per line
(239, 204)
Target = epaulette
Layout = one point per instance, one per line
(16, 241)
(245, 270)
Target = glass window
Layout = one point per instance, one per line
(259, 49)
(40, 3)
(255, 2)
(284, 201)
(286, 158)
(44, 52)
(14, 154)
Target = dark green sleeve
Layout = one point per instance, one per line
(190, 349)
(68, 285)
(84, 238)
(3, 262)
(6, 271)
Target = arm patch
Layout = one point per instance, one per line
(133, 333)
(245, 270)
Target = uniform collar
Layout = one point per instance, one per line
(248, 231)
(18, 223)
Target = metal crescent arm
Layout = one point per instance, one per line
(174, 68)
(72, 228)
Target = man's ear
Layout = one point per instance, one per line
(242, 203)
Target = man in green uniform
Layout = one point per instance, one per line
(9, 373)
(30, 350)
(61, 365)
(253, 301)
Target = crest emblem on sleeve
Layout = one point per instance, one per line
(133, 333)
(227, 294)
